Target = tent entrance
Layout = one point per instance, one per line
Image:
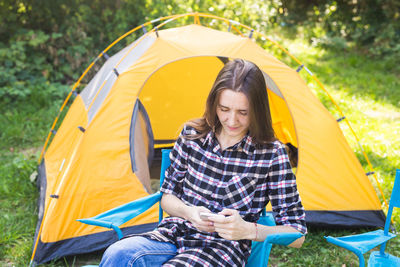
(177, 92)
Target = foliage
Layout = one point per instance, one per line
(372, 26)
(24, 71)
(44, 46)
(255, 13)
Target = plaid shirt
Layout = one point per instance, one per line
(242, 177)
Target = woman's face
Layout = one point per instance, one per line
(233, 113)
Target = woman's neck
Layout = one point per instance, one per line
(225, 140)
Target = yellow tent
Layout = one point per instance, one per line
(99, 157)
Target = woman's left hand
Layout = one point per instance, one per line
(232, 226)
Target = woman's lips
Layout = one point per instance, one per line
(233, 128)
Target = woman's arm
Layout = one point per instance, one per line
(233, 227)
(175, 207)
(284, 196)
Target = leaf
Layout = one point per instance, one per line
(33, 176)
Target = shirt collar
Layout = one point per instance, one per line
(208, 138)
(246, 144)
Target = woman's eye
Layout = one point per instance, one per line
(243, 113)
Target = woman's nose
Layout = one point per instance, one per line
(232, 119)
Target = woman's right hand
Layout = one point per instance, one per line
(175, 207)
(193, 215)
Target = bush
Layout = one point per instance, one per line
(373, 26)
(24, 74)
(46, 46)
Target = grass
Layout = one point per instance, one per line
(18, 208)
(367, 90)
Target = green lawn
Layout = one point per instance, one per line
(368, 92)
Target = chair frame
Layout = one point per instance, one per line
(115, 217)
(362, 243)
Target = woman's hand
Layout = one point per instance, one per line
(194, 217)
(233, 227)
(175, 207)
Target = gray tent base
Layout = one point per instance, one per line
(346, 219)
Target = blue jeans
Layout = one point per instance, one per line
(138, 251)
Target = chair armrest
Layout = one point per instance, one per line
(120, 215)
(260, 250)
(283, 239)
(361, 243)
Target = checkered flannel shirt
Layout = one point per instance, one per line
(242, 177)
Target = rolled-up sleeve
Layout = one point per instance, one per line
(175, 173)
(282, 192)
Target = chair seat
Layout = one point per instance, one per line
(362, 242)
(387, 260)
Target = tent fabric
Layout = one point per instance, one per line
(171, 74)
(95, 92)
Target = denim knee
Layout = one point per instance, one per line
(138, 251)
(116, 255)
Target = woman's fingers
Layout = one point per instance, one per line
(205, 227)
(219, 219)
(199, 223)
(227, 223)
(203, 209)
(228, 212)
(231, 226)
(225, 233)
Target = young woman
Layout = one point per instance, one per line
(228, 163)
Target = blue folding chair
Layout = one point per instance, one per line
(362, 243)
(115, 217)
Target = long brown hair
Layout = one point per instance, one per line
(245, 77)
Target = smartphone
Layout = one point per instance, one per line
(207, 215)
